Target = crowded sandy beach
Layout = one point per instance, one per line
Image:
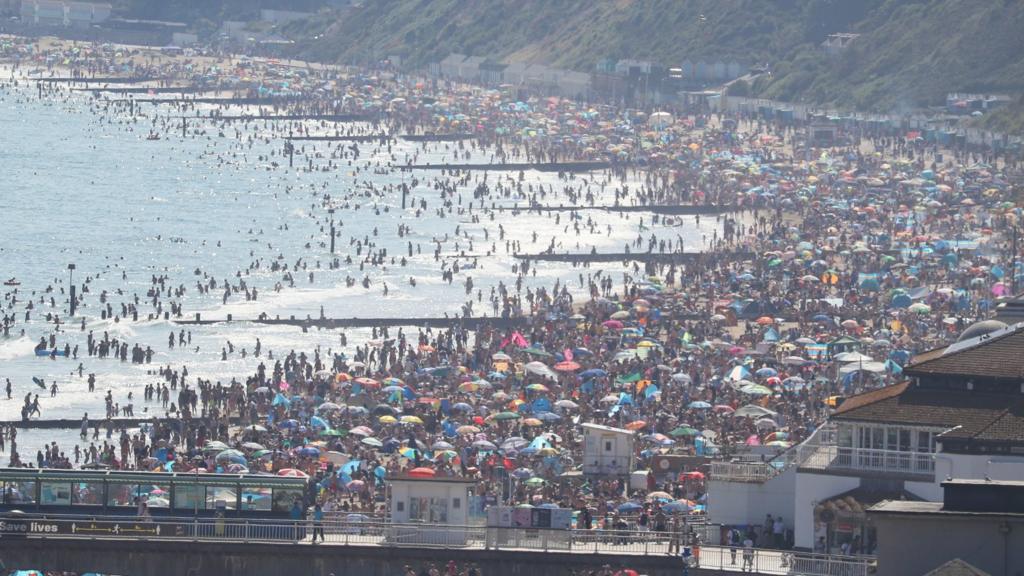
(758, 281)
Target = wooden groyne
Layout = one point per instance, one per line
(221, 100)
(471, 323)
(437, 137)
(282, 117)
(148, 90)
(103, 423)
(653, 257)
(516, 166)
(671, 209)
(382, 138)
(95, 80)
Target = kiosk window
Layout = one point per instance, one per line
(87, 493)
(55, 494)
(20, 492)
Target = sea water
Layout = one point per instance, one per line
(88, 188)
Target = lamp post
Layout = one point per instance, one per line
(331, 212)
(71, 282)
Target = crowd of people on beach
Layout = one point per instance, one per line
(828, 270)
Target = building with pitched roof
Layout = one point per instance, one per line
(959, 414)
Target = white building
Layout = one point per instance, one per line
(62, 13)
(960, 414)
(607, 451)
(450, 65)
(435, 502)
(282, 16)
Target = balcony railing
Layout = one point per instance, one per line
(865, 459)
(743, 471)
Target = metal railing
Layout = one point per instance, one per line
(334, 532)
(865, 459)
(740, 471)
(743, 471)
(781, 562)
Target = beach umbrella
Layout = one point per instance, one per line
(658, 495)
(253, 446)
(215, 446)
(678, 507)
(387, 419)
(292, 473)
(422, 472)
(367, 382)
(514, 443)
(698, 405)
(756, 390)
(500, 416)
(410, 419)
(522, 473)
(371, 441)
(255, 428)
(627, 507)
(540, 369)
(361, 431)
(752, 411)
(593, 373)
(547, 416)
(231, 455)
(636, 425)
(535, 481)
(484, 445)
(501, 357)
(467, 429)
(567, 404)
(684, 431)
(567, 366)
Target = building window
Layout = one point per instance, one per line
(904, 445)
(432, 510)
(56, 493)
(607, 446)
(925, 442)
(456, 503)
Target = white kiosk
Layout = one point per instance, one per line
(429, 510)
(607, 451)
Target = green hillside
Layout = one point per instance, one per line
(909, 53)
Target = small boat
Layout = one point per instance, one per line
(12, 282)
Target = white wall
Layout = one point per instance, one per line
(810, 490)
(740, 503)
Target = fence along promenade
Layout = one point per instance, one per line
(339, 531)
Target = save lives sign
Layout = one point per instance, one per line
(18, 527)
